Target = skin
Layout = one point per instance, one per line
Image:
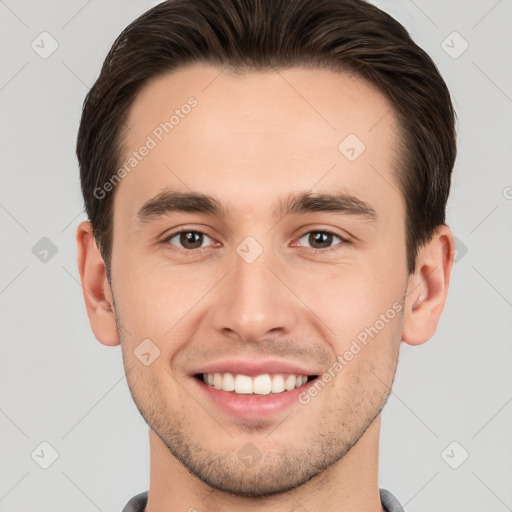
(250, 142)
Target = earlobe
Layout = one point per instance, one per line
(428, 287)
(95, 286)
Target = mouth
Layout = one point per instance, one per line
(255, 397)
(264, 384)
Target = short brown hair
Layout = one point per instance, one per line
(263, 35)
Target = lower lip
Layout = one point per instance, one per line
(252, 406)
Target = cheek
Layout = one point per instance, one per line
(363, 309)
(162, 303)
(366, 362)
(351, 298)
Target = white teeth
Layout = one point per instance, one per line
(277, 384)
(217, 380)
(260, 385)
(290, 382)
(228, 382)
(243, 384)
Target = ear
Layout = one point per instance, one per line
(428, 287)
(95, 286)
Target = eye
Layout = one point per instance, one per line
(188, 239)
(320, 239)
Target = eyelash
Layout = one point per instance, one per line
(200, 250)
(335, 247)
(188, 252)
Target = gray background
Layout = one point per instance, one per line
(452, 396)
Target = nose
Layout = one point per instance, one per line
(253, 303)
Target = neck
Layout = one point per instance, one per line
(350, 485)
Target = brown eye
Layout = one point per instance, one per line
(188, 239)
(319, 239)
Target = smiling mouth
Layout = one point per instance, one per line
(264, 384)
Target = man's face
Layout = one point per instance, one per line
(300, 291)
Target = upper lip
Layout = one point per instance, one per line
(253, 368)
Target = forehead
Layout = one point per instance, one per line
(229, 135)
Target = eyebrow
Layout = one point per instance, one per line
(338, 202)
(169, 201)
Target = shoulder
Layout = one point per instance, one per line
(389, 502)
(137, 503)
